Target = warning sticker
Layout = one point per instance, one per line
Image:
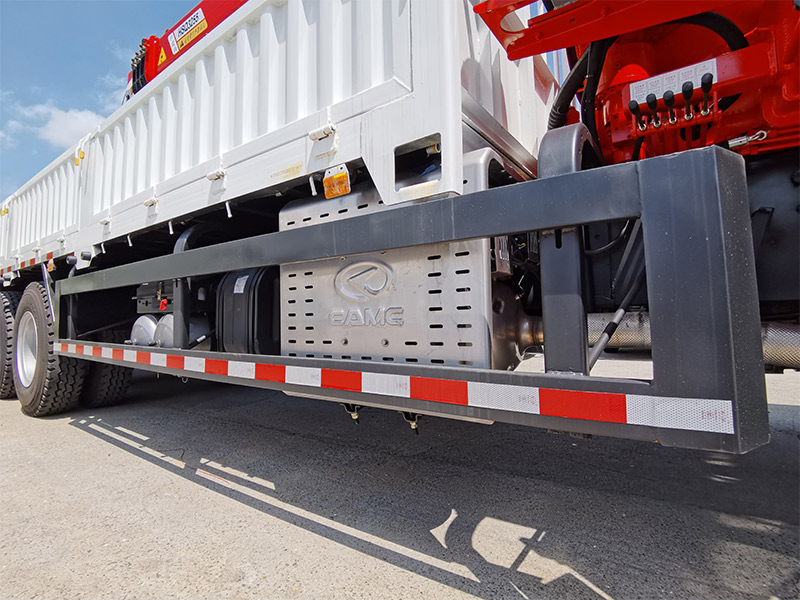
(173, 45)
(187, 31)
(162, 57)
(192, 34)
(673, 80)
(238, 287)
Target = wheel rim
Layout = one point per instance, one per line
(27, 349)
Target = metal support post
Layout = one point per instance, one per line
(561, 251)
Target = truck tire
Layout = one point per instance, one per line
(46, 383)
(8, 304)
(105, 384)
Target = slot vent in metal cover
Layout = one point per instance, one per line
(423, 305)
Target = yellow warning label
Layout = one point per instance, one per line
(191, 35)
(162, 57)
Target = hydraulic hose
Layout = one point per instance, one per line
(570, 87)
(597, 51)
(730, 34)
(722, 26)
(611, 328)
(613, 243)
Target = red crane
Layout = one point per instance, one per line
(156, 54)
(655, 77)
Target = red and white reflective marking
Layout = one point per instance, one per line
(27, 263)
(692, 414)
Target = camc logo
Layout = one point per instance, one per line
(364, 280)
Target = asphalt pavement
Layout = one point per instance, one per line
(202, 490)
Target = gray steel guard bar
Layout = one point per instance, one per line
(701, 283)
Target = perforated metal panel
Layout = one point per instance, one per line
(426, 305)
(316, 209)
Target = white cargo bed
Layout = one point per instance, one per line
(248, 108)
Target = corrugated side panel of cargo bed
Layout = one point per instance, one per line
(244, 109)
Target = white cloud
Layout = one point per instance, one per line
(61, 128)
(32, 112)
(6, 140)
(110, 90)
(65, 128)
(121, 53)
(15, 127)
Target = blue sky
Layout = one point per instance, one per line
(63, 68)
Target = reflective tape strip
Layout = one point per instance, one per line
(591, 406)
(304, 376)
(276, 373)
(439, 390)
(516, 398)
(216, 367)
(175, 362)
(191, 363)
(692, 414)
(680, 413)
(386, 385)
(242, 370)
(341, 380)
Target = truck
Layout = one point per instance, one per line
(396, 205)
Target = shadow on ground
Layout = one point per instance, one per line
(495, 511)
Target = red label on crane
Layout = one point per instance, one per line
(162, 52)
